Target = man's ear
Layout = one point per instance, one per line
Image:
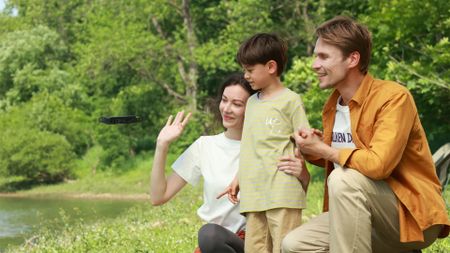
(272, 66)
(354, 58)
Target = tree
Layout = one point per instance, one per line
(29, 63)
(302, 79)
(34, 154)
(60, 16)
(74, 61)
(414, 50)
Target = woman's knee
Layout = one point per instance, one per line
(208, 230)
(209, 237)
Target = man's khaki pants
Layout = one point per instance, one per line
(363, 217)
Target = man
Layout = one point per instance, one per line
(382, 193)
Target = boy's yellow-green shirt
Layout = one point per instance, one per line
(265, 138)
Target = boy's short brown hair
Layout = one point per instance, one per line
(349, 36)
(261, 48)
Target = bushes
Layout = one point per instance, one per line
(40, 134)
(116, 147)
(36, 155)
(49, 113)
(41, 139)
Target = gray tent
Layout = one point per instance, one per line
(441, 159)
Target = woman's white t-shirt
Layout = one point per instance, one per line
(216, 159)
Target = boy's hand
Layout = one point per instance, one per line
(231, 191)
(318, 132)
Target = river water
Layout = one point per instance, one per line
(20, 218)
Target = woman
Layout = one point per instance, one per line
(216, 159)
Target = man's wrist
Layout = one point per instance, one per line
(332, 154)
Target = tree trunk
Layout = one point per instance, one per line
(191, 78)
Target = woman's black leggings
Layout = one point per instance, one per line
(217, 239)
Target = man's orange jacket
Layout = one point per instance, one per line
(391, 145)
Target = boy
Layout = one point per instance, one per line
(271, 199)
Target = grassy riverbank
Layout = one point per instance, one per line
(169, 228)
(132, 182)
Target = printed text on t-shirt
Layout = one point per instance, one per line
(342, 137)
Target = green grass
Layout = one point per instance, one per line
(135, 180)
(169, 228)
(132, 182)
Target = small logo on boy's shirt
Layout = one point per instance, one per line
(272, 124)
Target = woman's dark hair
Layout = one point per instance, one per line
(232, 79)
(235, 79)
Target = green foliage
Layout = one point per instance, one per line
(111, 50)
(151, 104)
(9, 22)
(49, 113)
(115, 147)
(25, 56)
(413, 50)
(92, 181)
(36, 155)
(314, 99)
(60, 16)
(301, 78)
(66, 63)
(238, 20)
(41, 138)
(121, 142)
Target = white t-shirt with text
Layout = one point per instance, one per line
(342, 130)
